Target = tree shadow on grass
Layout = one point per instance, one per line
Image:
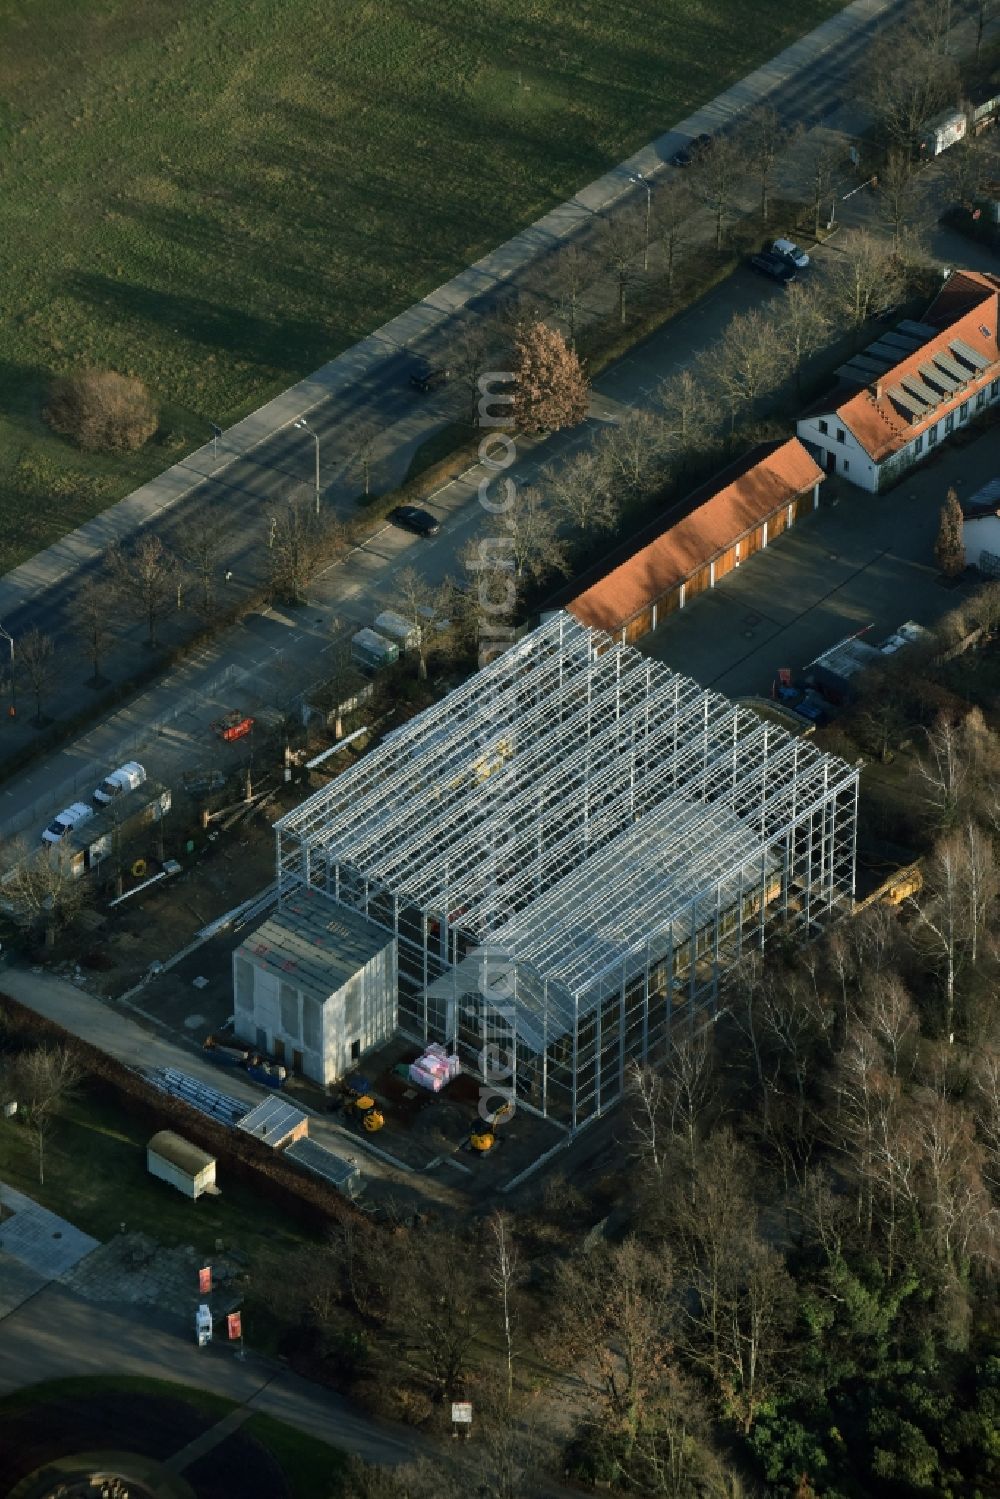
(275, 346)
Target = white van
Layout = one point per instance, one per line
(791, 252)
(125, 778)
(71, 818)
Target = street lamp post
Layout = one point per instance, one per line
(13, 687)
(640, 181)
(305, 427)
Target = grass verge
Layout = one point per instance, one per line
(313, 1469)
(95, 1175)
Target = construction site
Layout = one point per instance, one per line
(569, 852)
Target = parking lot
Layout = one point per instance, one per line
(861, 562)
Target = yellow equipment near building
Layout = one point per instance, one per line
(366, 1111)
(483, 1137)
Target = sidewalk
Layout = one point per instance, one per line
(424, 318)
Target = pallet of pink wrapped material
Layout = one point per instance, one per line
(435, 1068)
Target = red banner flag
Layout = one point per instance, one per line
(234, 1322)
(205, 1280)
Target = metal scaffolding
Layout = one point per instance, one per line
(571, 848)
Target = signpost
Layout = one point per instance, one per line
(461, 1415)
(234, 1326)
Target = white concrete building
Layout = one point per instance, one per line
(911, 388)
(315, 987)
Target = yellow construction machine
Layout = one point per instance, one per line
(360, 1105)
(483, 1137)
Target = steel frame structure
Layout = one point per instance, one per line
(571, 848)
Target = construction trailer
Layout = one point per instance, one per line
(86, 847)
(185, 1166)
(570, 850)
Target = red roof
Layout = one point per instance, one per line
(884, 417)
(678, 553)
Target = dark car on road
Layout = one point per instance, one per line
(778, 267)
(688, 154)
(412, 518)
(426, 377)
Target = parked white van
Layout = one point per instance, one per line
(791, 252)
(71, 818)
(126, 778)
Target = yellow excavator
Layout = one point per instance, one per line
(483, 1137)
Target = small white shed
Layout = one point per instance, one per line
(185, 1166)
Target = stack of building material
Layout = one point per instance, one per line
(435, 1068)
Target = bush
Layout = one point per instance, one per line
(101, 411)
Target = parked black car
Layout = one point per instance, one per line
(412, 518)
(690, 153)
(426, 377)
(778, 267)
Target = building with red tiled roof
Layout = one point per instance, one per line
(743, 511)
(918, 383)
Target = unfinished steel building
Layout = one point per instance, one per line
(571, 848)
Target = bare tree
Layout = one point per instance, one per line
(762, 137)
(423, 606)
(803, 323)
(985, 10)
(615, 1308)
(960, 886)
(438, 1307)
(824, 164)
(145, 580)
(746, 363)
(90, 611)
(579, 488)
(909, 77)
(648, 1125)
(36, 656)
(945, 769)
(716, 177)
(572, 274)
(364, 437)
(43, 1080)
(621, 243)
(898, 193)
(302, 543)
(632, 450)
(531, 543)
(504, 1276)
(867, 276)
(672, 210)
(469, 359)
(687, 411)
(202, 546)
(41, 892)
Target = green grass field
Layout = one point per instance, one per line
(220, 196)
